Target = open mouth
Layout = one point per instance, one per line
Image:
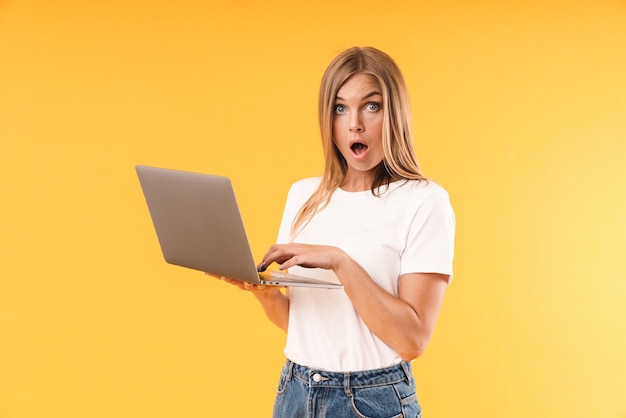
(358, 148)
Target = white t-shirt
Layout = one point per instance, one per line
(409, 228)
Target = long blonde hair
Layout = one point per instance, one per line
(399, 160)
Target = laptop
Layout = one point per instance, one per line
(199, 226)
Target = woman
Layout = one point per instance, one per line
(375, 224)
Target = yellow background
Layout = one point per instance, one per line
(519, 111)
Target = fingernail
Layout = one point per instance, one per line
(262, 267)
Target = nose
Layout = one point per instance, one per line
(355, 124)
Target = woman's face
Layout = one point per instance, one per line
(357, 126)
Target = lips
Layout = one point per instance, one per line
(358, 148)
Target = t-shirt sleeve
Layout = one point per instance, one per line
(284, 231)
(297, 195)
(430, 237)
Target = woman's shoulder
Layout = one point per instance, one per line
(423, 188)
(301, 190)
(420, 194)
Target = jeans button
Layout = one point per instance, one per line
(317, 377)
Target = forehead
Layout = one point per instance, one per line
(358, 85)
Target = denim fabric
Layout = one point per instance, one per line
(382, 393)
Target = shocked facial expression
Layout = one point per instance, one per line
(357, 124)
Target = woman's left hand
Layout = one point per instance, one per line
(304, 255)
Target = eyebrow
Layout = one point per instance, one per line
(367, 96)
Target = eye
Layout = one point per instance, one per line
(372, 107)
(339, 109)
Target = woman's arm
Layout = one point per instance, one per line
(274, 302)
(405, 323)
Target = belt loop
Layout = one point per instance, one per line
(407, 371)
(289, 370)
(346, 384)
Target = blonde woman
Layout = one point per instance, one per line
(376, 225)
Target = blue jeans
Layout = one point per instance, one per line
(308, 393)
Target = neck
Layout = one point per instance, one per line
(357, 183)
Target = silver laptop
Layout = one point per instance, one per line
(198, 225)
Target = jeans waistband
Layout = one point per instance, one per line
(366, 378)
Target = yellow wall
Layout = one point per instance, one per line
(519, 111)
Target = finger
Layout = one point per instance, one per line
(280, 254)
(293, 261)
(269, 251)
